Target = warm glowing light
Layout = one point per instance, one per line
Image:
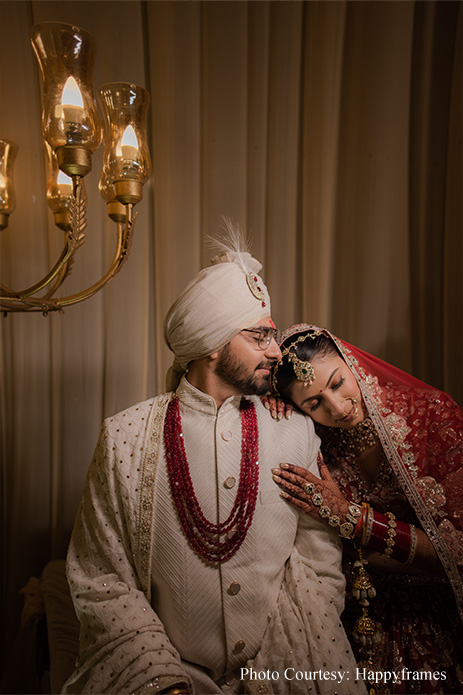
(128, 147)
(72, 131)
(129, 137)
(71, 94)
(65, 185)
(64, 179)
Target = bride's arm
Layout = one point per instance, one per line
(395, 545)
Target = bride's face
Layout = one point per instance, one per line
(333, 398)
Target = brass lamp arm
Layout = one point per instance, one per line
(63, 261)
(74, 238)
(124, 241)
(72, 131)
(61, 277)
(10, 304)
(16, 302)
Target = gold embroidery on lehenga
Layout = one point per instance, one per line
(399, 451)
(433, 494)
(396, 424)
(398, 428)
(454, 539)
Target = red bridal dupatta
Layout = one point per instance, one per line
(421, 432)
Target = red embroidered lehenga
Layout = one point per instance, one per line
(421, 481)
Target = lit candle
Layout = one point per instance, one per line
(128, 150)
(71, 111)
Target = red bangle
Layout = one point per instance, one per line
(379, 529)
(361, 520)
(390, 537)
(403, 541)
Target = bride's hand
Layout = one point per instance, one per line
(319, 497)
(278, 408)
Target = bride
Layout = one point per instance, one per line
(392, 483)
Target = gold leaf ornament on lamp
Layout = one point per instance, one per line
(72, 131)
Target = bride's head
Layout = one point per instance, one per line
(313, 375)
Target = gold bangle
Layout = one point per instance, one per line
(347, 529)
(367, 526)
(391, 534)
(354, 513)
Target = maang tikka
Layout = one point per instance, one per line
(303, 370)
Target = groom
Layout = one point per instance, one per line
(184, 560)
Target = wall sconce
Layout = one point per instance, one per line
(72, 131)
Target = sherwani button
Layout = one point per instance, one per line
(229, 482)
(227, 435)
(239, 646)
(234, 588)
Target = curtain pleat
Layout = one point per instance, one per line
(330, 130)
(436, 195)
(324, 38)
(452, 303)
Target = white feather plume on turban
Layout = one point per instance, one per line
(216, 305)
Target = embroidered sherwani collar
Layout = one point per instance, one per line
(192, 397)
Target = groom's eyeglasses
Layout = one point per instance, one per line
(264, 336)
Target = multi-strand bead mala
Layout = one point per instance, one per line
(203, 535)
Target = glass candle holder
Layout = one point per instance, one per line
(59, 190)
(66, 55)
(126, 159)
(115, 209)
(8, 152)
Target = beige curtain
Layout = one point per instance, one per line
(331, 130)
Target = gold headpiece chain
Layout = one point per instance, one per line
(303, 370)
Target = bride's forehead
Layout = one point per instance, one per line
(322, 366)
(326, 359)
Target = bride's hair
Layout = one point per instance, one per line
(306, 350)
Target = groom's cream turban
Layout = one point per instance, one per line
(217, 304)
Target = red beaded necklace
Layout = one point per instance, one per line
(202, 534)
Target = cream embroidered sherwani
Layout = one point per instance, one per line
(153, 613)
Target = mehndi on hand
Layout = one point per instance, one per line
(278, 408)
(319, 497)
(322, 499)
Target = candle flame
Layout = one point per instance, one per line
(71, 94)
(129, 137)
